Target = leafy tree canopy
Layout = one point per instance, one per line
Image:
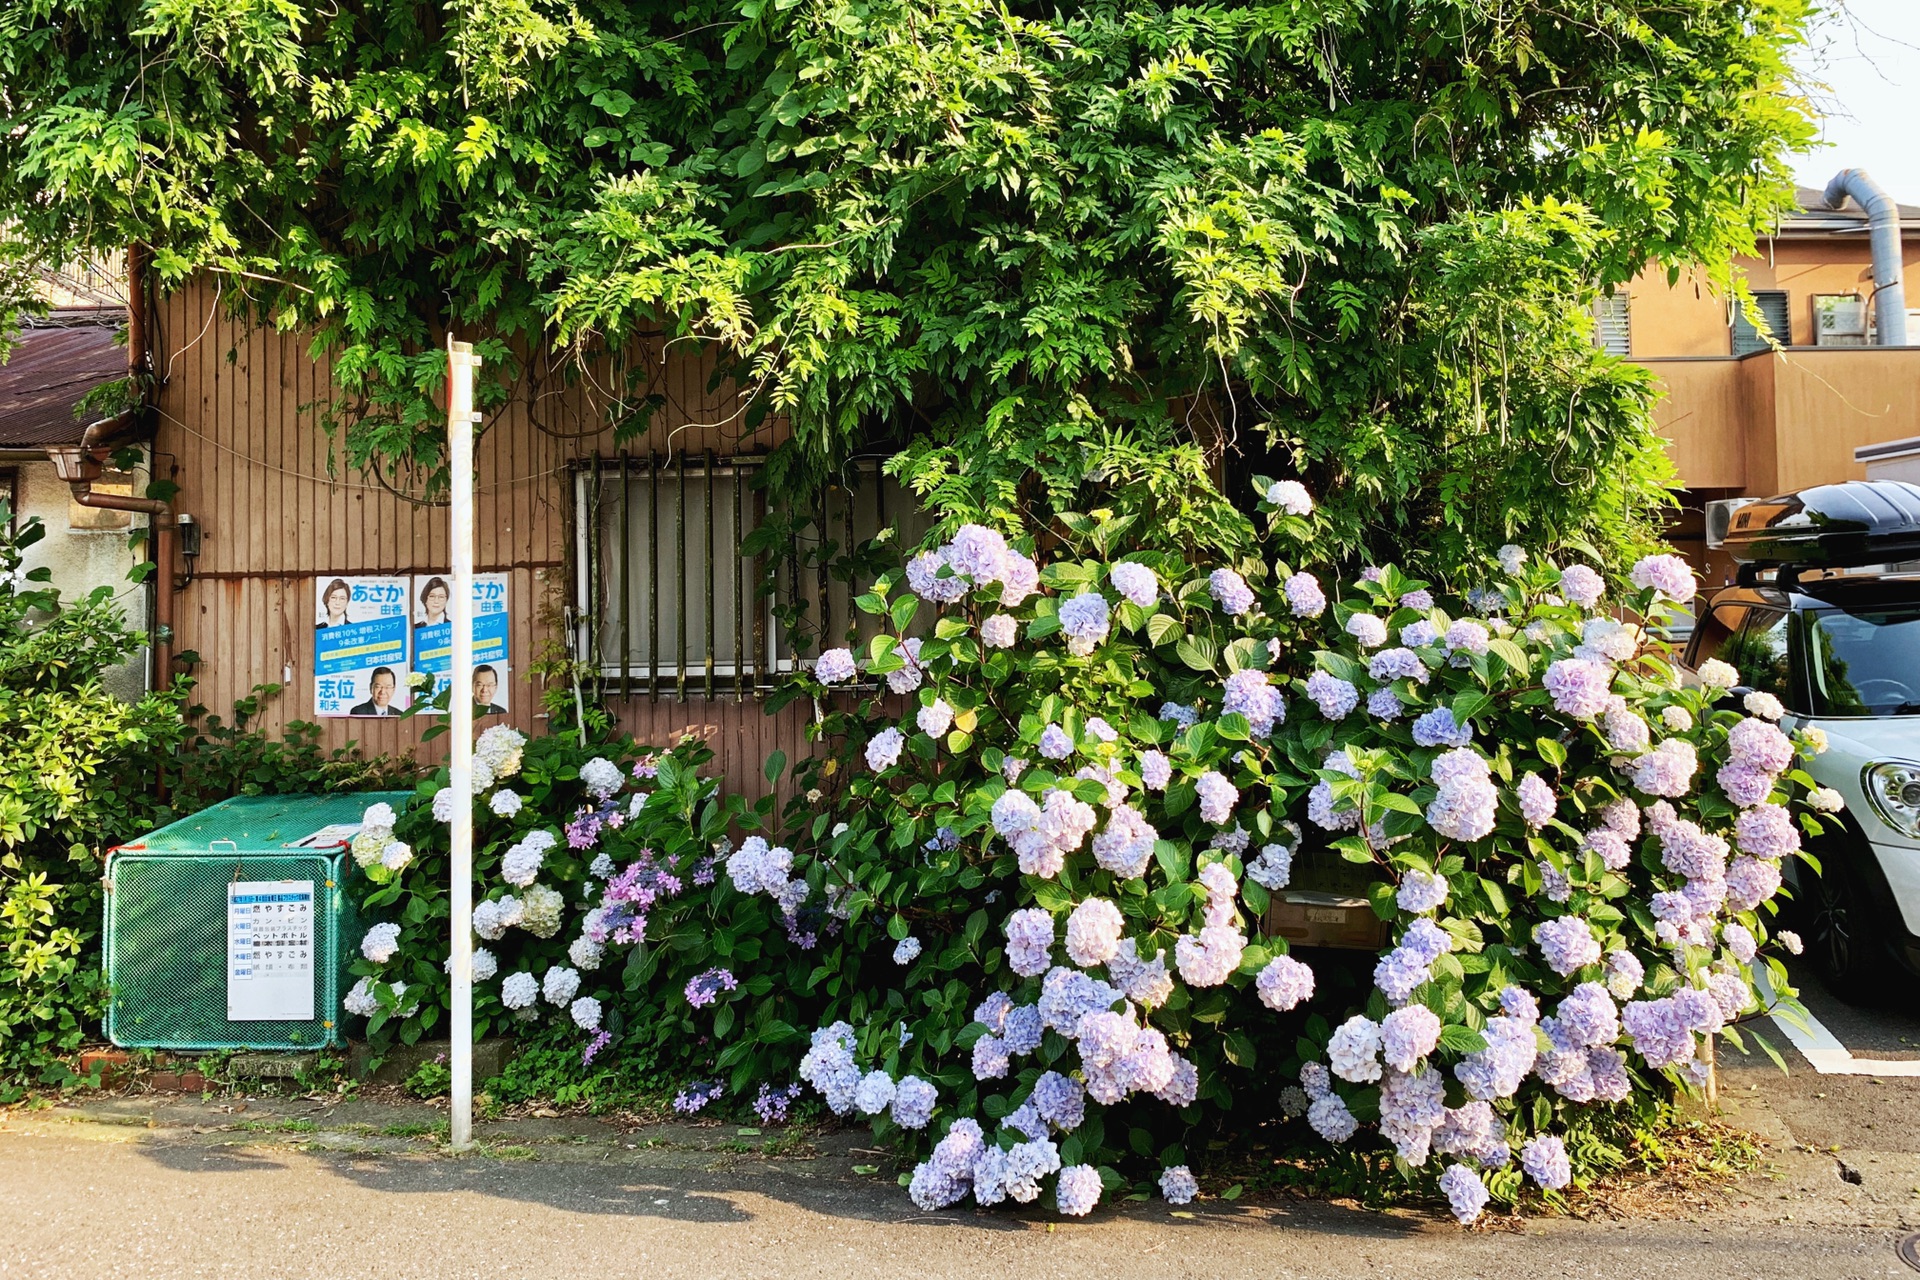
(1060, 254)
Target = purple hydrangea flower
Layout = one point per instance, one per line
(1019, 578)
(883, 749)
(704, 989)
(1469, 637)
(1408, 1035)
(1248, 693)
(1544, 1157)
(1210, 957)
(1667, 574)
(1155, 770)
(1178, 1185)
(1330, 1118)
(989, 1058)
(1085, 620)
(1766, 831)
(1465, 808)
(1537, 801)
(1126, 844)
(1668, 769)
(1384, 704)
(1060, 1100)
(834, 666)
(696, 1096)
(1419, 598)
(1029, 941)
(1567, 944)
(1751, 882)
(913, 1102)
(1078, 1190)
(1466, 1194)
(977, 552)
(1438, 728)
(1093, 932)
(1135, 581)
(1582, 585)
(1284, 983)
(1217, 797)
(1421, 892)
(946, 1176)
(1335, 697)
(1055, 743)
(1231, 590)
(1304, 595)
(1353, 1051)
(999, 631)
(1389, 665)
(1580, 688)
(1625, 974)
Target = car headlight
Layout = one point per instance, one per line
(1894, 788)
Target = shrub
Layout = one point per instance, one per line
(223, 758)
(76, 768)
(577, 837)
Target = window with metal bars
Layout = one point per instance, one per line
(690, 586)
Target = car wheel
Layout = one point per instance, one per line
(1843, 938)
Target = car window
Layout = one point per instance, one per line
(1760, 654)
(1714, 631)
(1864, 662)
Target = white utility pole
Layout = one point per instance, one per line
(461, 362)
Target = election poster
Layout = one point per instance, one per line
(433, 638)
(360, 646)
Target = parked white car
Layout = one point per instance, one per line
(1826, 617)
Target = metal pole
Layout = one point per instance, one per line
(461, 362)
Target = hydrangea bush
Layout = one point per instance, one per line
(1070, 791)
(576, 842)
(1020, 892)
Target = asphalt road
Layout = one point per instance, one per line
(151, 1186)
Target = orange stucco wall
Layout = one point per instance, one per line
(1686, 317)
(1776, 421)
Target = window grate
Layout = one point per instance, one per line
(672, 602)
(1613, 323)
(1776, 310)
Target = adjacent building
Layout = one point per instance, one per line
(1751, 414)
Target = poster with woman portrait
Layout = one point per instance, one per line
(433, 638)
(360, 646)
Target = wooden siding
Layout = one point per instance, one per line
(239, 432)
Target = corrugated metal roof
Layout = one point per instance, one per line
(53, 365)
(1814, 218)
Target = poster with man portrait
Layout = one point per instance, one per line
(360, 646)
(433, 638)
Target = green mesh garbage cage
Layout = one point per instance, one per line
(232, 929)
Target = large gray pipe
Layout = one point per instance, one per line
(1883, 226)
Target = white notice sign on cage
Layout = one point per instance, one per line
(270, 953)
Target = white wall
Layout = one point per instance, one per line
(93, 554)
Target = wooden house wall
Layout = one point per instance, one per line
(239, 432)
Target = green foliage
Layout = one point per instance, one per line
(221, 759)
(1069, 258)
(76, 773)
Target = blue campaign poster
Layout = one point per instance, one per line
(360, 646)
(433, 638)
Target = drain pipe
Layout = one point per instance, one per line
(1883, 228)
(80, 468)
